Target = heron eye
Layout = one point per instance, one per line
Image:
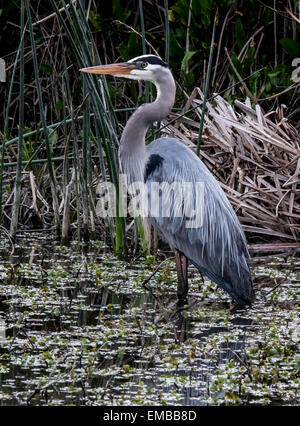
(144, 64)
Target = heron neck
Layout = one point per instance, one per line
(132, 152)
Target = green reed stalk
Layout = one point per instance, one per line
(6, 125)
(68, 185)
(142, 234)
(98, 142)
(108, 130)
(207, 84)
(147, 84)
(167, 31)
(85, 161)
(43, 119)
(17, 187)
(83, 46)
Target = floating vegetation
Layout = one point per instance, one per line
(79, 326)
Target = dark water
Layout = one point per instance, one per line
(89, 329)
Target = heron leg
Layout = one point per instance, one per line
(182, 276)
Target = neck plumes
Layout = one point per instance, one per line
(132, 152)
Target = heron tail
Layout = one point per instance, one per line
(237, 283)
(241, 283)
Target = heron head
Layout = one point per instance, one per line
(145, 67)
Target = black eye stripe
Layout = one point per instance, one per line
(153, 60)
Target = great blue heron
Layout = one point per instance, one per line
(218, 247)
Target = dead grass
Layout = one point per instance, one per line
(256, 158)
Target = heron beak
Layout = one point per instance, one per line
(112, 69)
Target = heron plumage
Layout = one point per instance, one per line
(217, 248)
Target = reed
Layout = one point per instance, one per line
(207, 80)
(167, 31)
(6, 119)
(147, 84)
(85, 162)
(53, 183)
(17, 186)
(105, 123)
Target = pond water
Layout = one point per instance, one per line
(81, 327)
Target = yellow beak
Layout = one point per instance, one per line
(112, 69)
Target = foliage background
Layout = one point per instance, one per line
(260, 37)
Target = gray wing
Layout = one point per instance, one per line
(217, 248)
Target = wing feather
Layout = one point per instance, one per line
(217, 248)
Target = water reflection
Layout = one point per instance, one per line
(180, 321)
(83, 324)
(233, 350)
